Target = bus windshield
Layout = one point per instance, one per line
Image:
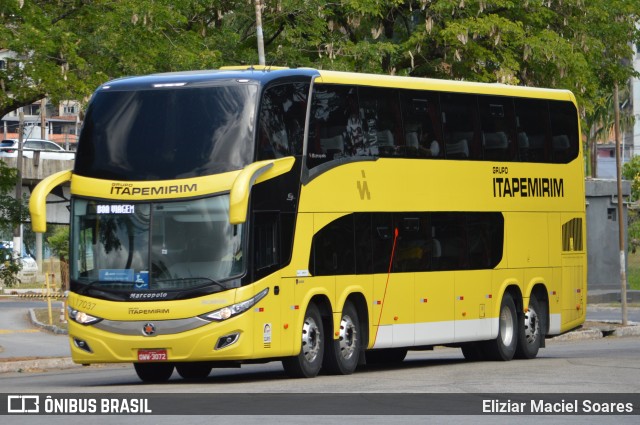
(158, 246)
(167, 133)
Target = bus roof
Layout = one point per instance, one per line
(264, 74)
(420, 83)
(261, 75)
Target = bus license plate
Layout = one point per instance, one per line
(157, 355)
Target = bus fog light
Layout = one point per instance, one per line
(227, 340)
(81, 344)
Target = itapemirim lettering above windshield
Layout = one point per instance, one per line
(130, 189)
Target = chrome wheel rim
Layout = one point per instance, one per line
(531, 326)
(311, 339)
(507, 326)
(348, 337)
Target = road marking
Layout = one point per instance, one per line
(15, 331)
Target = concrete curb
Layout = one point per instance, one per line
(579, 334)
(50, 328)
(602, 332)
(37, 365)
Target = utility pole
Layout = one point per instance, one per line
(43, 135)
(623, 272)
(17, 230)
(43, 119)
(259, 35)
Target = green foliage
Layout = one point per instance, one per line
(59, 242)
(631, 171)
(11, 211)
(9, 272)
(67, 48)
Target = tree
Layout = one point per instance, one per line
(11, 214)
(65, 49)
(631, 172)
(59, 244)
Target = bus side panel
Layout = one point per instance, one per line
(527, 239)
(393, 310)
(434, 314)
(473, 302)
(272, 334)
(573, 294)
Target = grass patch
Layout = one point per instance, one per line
(42, 315)
(633, 271)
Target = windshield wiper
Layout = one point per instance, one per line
(88, 286)
(178, 282)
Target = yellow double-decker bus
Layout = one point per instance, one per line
(324, 219)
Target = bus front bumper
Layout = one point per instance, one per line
(214, 341)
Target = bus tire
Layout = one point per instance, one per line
(504, 346)
(386, 355)
(193, 370)
(473, 351)
(531, 330)
(308, 362)
(154, 372)
(342, 354)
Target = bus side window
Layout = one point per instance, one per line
(282, 115)
(333, 249)
(498, 128)
(266, 240)
(381, 120)
(564, 142)
(532, 127)
(460, 124)
(414, 250)
(382, 235)
(449, 231)
(330, 113)
(422, 129)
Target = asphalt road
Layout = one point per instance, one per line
(595, 367)
(608, 365)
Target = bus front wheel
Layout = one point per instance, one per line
(154, 372)
(504, 346)
(308, 362)
(342, 354)
(193, 370)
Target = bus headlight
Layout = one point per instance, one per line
(82, 317)
(235, 309)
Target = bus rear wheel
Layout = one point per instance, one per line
(154, 372)
(308, 362)
(193, 370)
(342, 354)
(504, 346)
(473, 351)
(531, 330)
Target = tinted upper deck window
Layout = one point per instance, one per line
(166, 133)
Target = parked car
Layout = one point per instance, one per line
(47, 148)
(29, 270)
